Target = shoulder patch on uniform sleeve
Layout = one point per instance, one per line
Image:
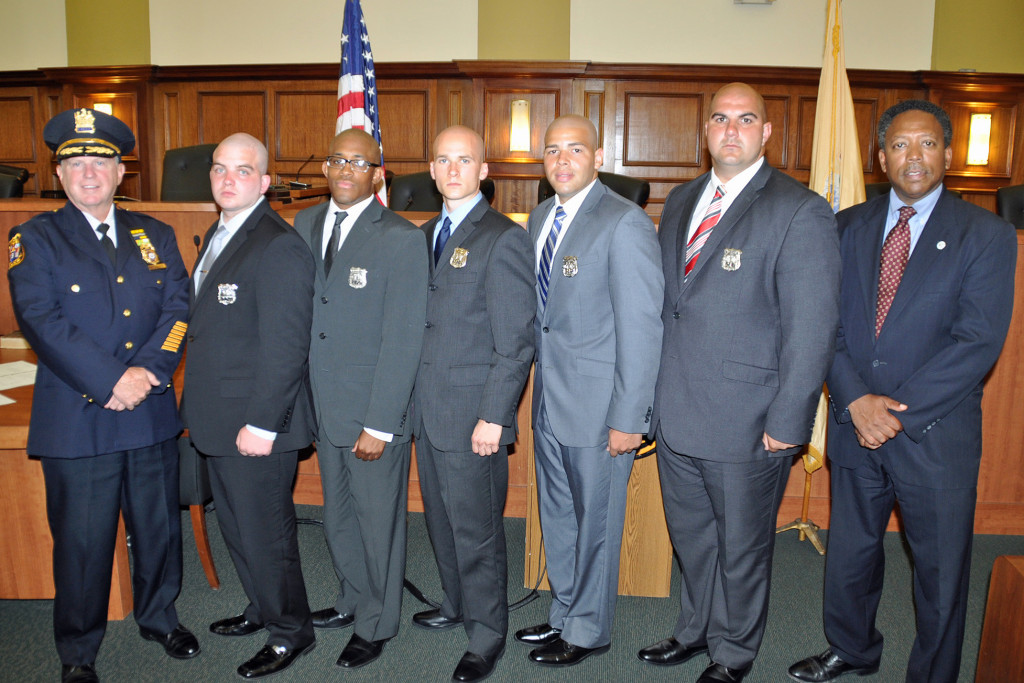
(175, 337)
(15, 251)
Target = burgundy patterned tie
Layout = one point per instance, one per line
(703, 231)
(895, 253)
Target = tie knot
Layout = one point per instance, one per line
(339, 216)
(719, 192)
(906, 213)
(103, 227)
(559, 214)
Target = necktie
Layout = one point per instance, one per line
(335, 242)
(895, 253)
(442, 238)
(108, 244)
(703, 231)
(544, 271)
(216, 244)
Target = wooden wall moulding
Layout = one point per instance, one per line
(662, 129)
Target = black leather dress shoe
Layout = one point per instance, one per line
(561, 653)
(669, 652)
(716, 673)
(360, 652)
(827, 666)
(541, 634)
(235, 626)
(272, 659)
(331, 618)
(179, 643)
(473, 667)
(79, 673)
(433, 620)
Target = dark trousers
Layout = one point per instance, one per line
(83, 498)
(464, 501)
(257, 519)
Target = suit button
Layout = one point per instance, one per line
(544, 330)
(675, 316)
(323, 299)
(428, 325)
(128, 345)
(191, 338)
(127, 312)
(432, 288)
(120, 279)
(75, 288)
(323, 336)
(874, 363)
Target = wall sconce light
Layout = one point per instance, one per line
(519, 130)
(105, 107)
(978, 139)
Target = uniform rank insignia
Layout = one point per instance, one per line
(570, 266)
(731, 259)
(357, 278)
(175, 337)
(458, 259)
(227, 294)
(15, 251)
(147, 249)
(85, 122)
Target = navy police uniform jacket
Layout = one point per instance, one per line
(88, 321)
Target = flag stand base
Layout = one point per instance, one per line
(807, 528)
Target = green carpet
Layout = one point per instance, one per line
(27, 653)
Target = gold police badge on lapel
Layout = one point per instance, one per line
(731, 259)
(458, 259)
(227, 294)
(570, 266)
(147, 249)
(15, 251)
(357, 278)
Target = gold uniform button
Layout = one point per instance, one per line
(75, 288)
(90, 400)
(120, 279)
(127, 312)
(128, 345)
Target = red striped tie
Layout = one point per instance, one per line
(700, 236)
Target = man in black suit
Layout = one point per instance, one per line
(101, 295)
(926, 301)
(247, 403)
(751, 260)
(476, 357)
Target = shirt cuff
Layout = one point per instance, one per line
(262, 433)
(383, 436)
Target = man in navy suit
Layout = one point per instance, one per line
(100, 293)
(912, 351)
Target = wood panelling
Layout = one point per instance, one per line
(545, 105)
(18, 115)
(405, 123)
(297, 143)
(1004, 118)
(662, 129)
(222, 113)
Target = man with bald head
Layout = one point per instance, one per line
(598, 337)
(751, 260)
(477, 351)
(368, 315)
(246, 402)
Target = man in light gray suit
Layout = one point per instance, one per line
(369, 308)
(599, 293)
(477, 351)
(751, 260)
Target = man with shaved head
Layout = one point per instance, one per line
(246, 402)
(751, 260)
(477, 351)
(598, 336)
(368, 314)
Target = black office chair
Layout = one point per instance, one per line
(187, 174)
(1010, 204)
(636, 190)
(418, 192)
(12, 181)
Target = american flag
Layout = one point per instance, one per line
(357, 85)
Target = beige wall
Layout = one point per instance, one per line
(266, 32)
(107, 32)
(788, 33)
(984, 35)
(511, 30)
(32, 34)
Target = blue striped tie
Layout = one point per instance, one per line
(544, 271)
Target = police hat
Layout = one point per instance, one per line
(87, 132)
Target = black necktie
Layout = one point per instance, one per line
(333, 243)
(442, 238)
(108, 244)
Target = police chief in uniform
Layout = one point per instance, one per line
(101, 295)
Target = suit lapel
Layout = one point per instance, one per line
(428, 231)
(868, 253)
(677, 233)
(81, 233)
(234, 244)
(574, 240)
(361, 231)
(316, 238)
(462, 233)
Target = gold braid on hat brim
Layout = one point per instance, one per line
(87, 147)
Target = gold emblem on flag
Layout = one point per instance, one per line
(458, 259)
(570, 266)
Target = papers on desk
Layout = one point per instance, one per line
(20, 373)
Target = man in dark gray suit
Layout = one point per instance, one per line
(599, 293)
(751, 261)
(368, 315)
(476, 357)
(246, 401)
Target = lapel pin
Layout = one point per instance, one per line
(941, 245)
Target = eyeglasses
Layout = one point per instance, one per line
(361, 165)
